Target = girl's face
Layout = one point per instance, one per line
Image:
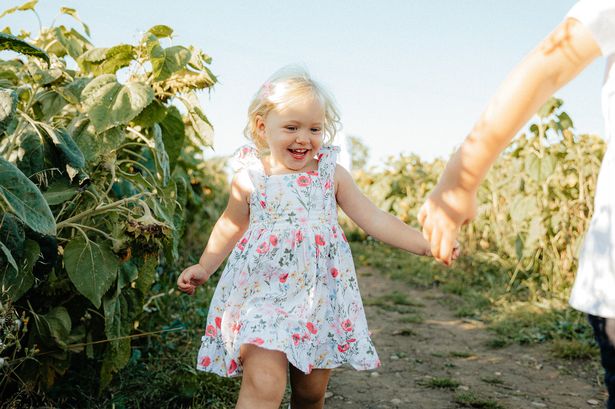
(294, 134)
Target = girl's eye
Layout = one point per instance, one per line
(291, 128)
(315, 130)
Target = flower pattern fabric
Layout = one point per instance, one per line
(290, 283)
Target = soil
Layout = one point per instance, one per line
(443, 361)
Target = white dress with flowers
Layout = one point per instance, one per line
(289, 284)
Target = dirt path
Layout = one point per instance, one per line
(431, 359)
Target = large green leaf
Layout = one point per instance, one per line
(10, 42)
(8, 105)
(109, 103)
(107, 60)
(59, 324)
(31, 153)
(153, 113)
(92, 267)
(161, 31)
(166, 61)
(538, 168)
(95, 145)
(522, 208)
(23, 198)
(59, 191)
(71, 153)
(18, 282)
(173, 135)
(12, 234)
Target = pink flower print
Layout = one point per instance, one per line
(263, 204)
(296, 339)
(283, 277)
(328, 184)
(242, 244)
(351, 340)
(218, 321)
(257, 341)
(319, 240)
(305, 337)
(273, 239)
(378, 364)
(343, 347)
(205, 361)
(310, 367)
(244, 152)
(347, 325)
(312, 172)
(281, 311)
(344, 236)
(320, 156)
(211, 331)
(310, 326)
(236, 327)
(263, 248)
(298, 236)
(304, 180)
(334, 272)
(232, 367)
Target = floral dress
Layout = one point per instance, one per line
(289, 284)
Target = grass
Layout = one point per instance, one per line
(470, 399)
(442, 383)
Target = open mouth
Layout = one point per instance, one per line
(298, 153)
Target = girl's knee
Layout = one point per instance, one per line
(264, 371)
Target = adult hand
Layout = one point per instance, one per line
(444, 212)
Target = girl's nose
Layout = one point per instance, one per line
(302, 138)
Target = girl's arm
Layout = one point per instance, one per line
(374, 221)
(229, 228)
(554, 62)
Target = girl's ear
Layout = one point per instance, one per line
(259, 129)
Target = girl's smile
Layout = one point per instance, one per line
(294, 134)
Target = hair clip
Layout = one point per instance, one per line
(266, 89)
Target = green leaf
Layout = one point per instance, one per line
(29, 5)
(107, 60)
(31, 153)
(72, 91)
(522, 208)
(72, 42)
(18, 282)
(549, 107)
(12, 234)
(73, 13)
(59, 323)
(67, 146)
(24, 199)
(10, 42)
(109, 104)
(538, 168)
(147, 273)
(173, 135)
(153, 113)
(91, 267)
(537, 230)
(59, 191)
(8, 105)
(161, 31)
(8, 256)
(518, 247)
(95, 146)
(162, 158)
(565, 122)
(166, 61)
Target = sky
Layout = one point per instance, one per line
(409, 76)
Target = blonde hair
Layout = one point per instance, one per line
(286, 86)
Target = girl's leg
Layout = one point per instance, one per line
(308, 391)
(264, 378)
(604, 332)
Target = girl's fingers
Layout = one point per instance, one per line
(422, 214)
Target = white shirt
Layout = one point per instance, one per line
(594, 287)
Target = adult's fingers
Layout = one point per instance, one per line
(436, 236)
(447, 243)
(422, 215)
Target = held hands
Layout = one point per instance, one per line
(442, 215)
(191, 278)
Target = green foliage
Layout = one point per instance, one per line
(96, 176)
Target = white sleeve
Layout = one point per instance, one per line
(599, 18)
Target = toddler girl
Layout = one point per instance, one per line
(288, 297)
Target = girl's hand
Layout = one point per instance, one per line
(456, 251)
(191, 278)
